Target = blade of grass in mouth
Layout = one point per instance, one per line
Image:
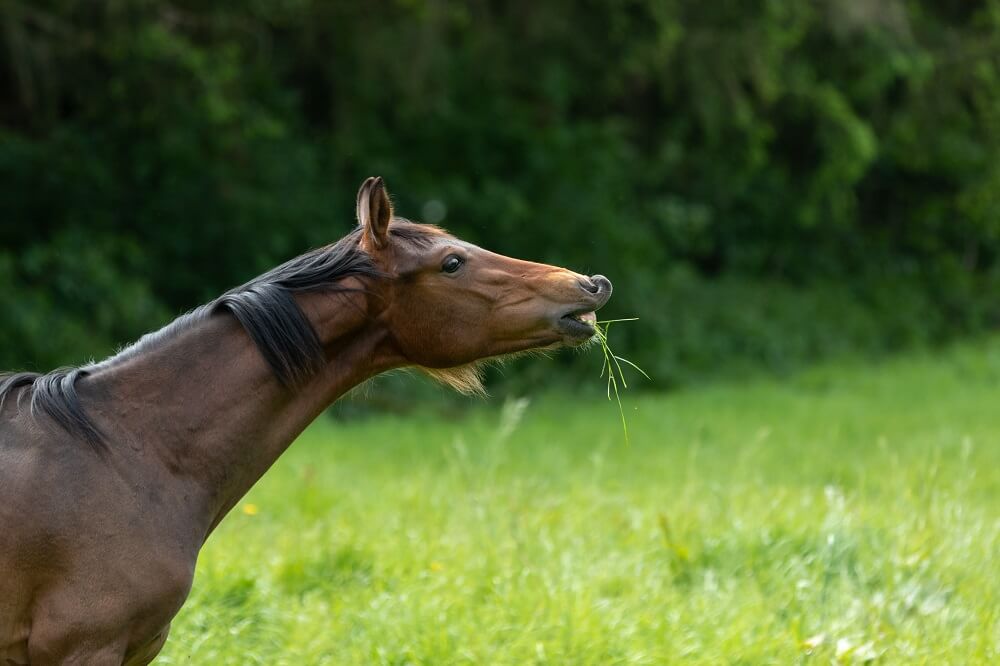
(612, 365)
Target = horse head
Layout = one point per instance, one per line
(448, 304)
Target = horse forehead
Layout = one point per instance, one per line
(442, 239)
(503, 262)
(436, 239)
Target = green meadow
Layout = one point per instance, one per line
(846, 514)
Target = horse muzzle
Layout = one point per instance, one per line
(579, 324)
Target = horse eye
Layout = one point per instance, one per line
(451, 263)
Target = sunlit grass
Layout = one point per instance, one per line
(848, 514)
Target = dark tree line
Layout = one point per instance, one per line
(765, 181)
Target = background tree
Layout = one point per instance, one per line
(766, 182)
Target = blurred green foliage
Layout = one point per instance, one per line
(765, 181)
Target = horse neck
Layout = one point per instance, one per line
(204, 410)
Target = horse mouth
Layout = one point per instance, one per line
(578, 326)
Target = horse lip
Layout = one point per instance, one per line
(599, 301)
(579, 311)
(574, 330)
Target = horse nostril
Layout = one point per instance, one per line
(602, 285)
(589, 286)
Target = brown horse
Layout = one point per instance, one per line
(113, 475)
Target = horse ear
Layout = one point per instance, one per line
(374, 212)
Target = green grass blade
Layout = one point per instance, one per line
(612, 363)
(625, 360)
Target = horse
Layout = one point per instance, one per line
(113, 475)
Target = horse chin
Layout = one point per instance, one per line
(579, 343)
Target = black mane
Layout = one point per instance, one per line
(275, 322)
(53, 394)
(266, 309)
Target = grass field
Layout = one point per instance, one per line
(846, 514)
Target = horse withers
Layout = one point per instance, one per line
(113, 475)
